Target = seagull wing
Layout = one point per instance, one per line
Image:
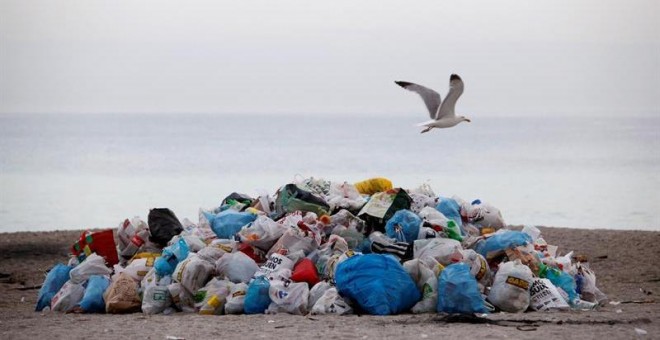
(430, 97)
(455, 91)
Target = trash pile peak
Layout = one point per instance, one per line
(321, 247)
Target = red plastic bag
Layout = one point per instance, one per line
(305, 271)
(257, 255)
(100, 242)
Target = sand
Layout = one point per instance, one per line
(625, 262)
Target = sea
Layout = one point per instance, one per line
(76, 171)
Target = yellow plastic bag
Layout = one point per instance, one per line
(373, 185)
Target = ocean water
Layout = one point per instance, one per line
(71, 171)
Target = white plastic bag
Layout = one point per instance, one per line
(316, 292)
(139, 267)
(344, 196)
(192, 273)
(544, 296)
(236, 298)
(67, 297)
(288, 297)
(262, 233)
(331, 303)
(510, 290)
(236, 267)
(293, 240)
(215, 296)
(433, 216)
(155, 294)
(444, 250)
(478, 267)
(275, 263)
(181, 298)
(93, 265)
(427, 282)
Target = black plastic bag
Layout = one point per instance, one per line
(163, 225)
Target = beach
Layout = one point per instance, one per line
(625, 263)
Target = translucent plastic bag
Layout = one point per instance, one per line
(156, 296)
(377, 283)
(484, 215)
(236, 298)
(450, 209)
(344, 196)
(331, 303)
(293, 240)
(316, 292)
(288, 297)
(92, 265)
(236, 267)
(478, 267)
(229, 222)
(444, 250)
(257, 298)
(140, 266)
(496, 244)
(67, 297)
(403, 226)
(458, 291)
(262, 233)
(193, 273)
(588, 289)
(276, 262)
(56, 278)
(427, 282)
(170, 257)
(92, 300)
(510, 290)
(214, 297)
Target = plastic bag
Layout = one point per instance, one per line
(427, 282)
(382, 206)
(544, 296)
(421, 201)
(293, 240)
(291, 198)
(331, 303)
(67, 297)
(236, 267)
(163, 225)
(275, 263)
(496, 244)
(484, 215)
(458, 291)
(561, 280)
(262, 233)
(403, 226)
(213, 252)
(381, 244)
(288, 297)
(305, 271)
(214, 297)
(510, 290)
(588, 290)
(156, 296)
(122, 295)
(100, 242)
(92, 265)
(92, 300)
(377, 283)
(344, 196)
(193, 273)
(236, 298)
(56, 278)
(478, 267)
(181, 297)
(229, 222)
(316, 292)
(132, 234)
(373, 185)
(170, 257)
(444, 250)
(139, 266)
(451, 210)
(257, 298)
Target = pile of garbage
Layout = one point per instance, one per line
(321, 247)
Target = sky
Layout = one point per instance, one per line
(331, 57)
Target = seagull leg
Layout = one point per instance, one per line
(426, 130)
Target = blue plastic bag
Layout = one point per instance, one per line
(257, 299)
(562, 280)
(171, 256)
(502, 240)
(403, 226)
(458, 291)
(92, 301)
(57, 276)
(229, 222)
(450, 208)
(377, 283)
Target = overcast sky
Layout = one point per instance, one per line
(516, 57)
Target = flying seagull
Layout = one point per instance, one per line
(442, 112)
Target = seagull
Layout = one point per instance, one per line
(442, 112)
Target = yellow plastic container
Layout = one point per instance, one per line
(373, 185)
